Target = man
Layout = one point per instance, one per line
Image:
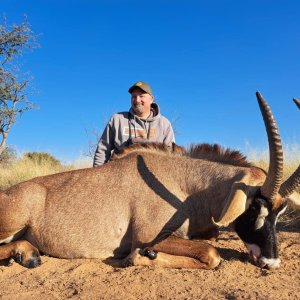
(143, 123)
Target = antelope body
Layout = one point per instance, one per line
(153, 200)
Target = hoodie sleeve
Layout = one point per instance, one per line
(105, 145)
(169, 136)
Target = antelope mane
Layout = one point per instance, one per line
(211, 152)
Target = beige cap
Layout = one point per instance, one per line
(141, 85)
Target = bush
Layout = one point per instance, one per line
(42, 158)
(8, 156)
(33, 164)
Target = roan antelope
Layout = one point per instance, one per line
(146, 205)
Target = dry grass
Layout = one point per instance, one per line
(291, 163)
(291, 158)
(24, 169)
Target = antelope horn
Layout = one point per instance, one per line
(288, 187)
(273, 180)
(297, 102)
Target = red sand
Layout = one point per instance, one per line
(235, 278)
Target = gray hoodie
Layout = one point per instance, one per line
(125, 128)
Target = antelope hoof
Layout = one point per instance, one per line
(151, 254)
(129, 260)
(33, 262)
(28, 262)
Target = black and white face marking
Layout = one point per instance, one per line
(256, 228)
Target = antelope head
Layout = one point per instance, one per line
(254, 209)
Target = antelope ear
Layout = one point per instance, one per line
(235, 204)
(294, 200)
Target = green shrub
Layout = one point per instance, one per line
(8, 156)
(42, 158)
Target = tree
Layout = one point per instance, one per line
(14, 40)
(8, 156)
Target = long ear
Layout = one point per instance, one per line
(235, 205)
(236, 201)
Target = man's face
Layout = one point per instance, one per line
(141, 103)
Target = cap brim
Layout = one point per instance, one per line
(136, 87)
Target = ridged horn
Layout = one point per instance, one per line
(297, 102)
(273, 180)
(293, 182)
(290, 185)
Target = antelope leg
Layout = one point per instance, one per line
(23, 252)
(175, 252)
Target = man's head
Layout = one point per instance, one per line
(141, 99)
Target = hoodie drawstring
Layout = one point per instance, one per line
(132, 122)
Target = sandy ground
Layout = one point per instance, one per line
(235, 278)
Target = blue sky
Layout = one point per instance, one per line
(203, 59)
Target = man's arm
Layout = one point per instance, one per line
(169, 138)
(105, 146)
